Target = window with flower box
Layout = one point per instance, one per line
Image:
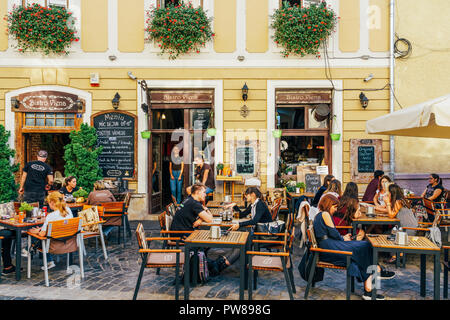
(305, 3)
(47, 3)
(49, 120)
(165, 3)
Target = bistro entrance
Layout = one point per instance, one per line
(177, 118)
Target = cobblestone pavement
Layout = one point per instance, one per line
(115, 279)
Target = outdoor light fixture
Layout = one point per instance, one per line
(244, 111)
(115, 101)
(144, 107)
(15, 103)
(163, 116)
(245, 92)
(364, 100)
(79, 104)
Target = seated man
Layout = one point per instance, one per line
(191, 213)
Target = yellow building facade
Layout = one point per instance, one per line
(112, 44)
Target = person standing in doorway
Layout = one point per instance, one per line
(37, 177)
(205, 174)
(176, 168)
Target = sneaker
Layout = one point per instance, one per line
(25, 253)
(8, 271)
(50, 265)
(368, 296)
(385, 275)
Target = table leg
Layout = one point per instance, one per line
(423, 267)
(232, 191)
(195, 268)
(353, 228)
(375, 262)
(186, 271)
(242, 268)
(437, 275)
(18, 252)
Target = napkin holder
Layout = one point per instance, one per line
(215, 232)
(401, 238)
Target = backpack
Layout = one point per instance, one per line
(202, 271)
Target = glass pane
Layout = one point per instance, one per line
(70, 115)
(70, 122)
(168, 119)
(40, 122)
(60, 122)
(60, 115)
(199, 118)
(299, 150)
(50, 122)
(314, 124)
(40, 115)
(29, 115)
(29, 122)
(291, 118)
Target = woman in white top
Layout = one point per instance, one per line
(382, 191)
(59, 212)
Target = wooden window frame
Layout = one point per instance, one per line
(161, 3)
(35, 128)
(24, 3)
(281, 2)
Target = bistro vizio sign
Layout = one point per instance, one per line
(47, 101)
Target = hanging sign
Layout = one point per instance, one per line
(47, 101)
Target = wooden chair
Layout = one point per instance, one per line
(63, 237)
(446, 266)
(114, 215)
(275, 208)
(171, 209)
(272, 261)
(157, 258)
(127, 200)
(315, 250)
(89, 229)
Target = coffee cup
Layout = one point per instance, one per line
(370, 210)
(215, 232)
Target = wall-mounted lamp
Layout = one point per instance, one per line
(115, 101)
(364, 100)
(245, 92)
(15, 103)
(79, 104)
(144, 107)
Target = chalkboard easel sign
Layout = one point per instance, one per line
(312, 182)
(117, 132)
(366, 159)
(245, 160)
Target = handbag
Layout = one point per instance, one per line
(278, 226)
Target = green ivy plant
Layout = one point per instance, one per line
(8, 186)
(300, 30)
(81, 156)
(37, 28)
(179, 29)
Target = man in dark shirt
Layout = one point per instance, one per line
(205, 174)
(37, 177)
(372, 187)
(191, 212)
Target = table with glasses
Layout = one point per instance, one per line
(377, 218)
(13, 224)
(201, 239)
(417, 245)
(225, 224)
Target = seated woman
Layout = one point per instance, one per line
(258, 212)
(329, 238)
(60, 212)
(348, 209)
(400, 208)
(381, 192)
(435, 190)
(70, 186)
(100, 194)
(326, 182)
(334, 188)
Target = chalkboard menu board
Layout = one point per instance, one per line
(366, 159)
(312, 182)
(200, 118)
(116, 133)
(245, 160)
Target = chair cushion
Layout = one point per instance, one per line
(112, 221)
(160, 258)
(270, 262)
(90, 215)
(61, 247)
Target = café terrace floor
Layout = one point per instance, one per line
(115, 279)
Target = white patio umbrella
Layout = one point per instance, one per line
(430, 119)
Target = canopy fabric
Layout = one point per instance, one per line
(430, 119)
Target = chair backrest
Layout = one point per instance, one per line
(429, 206)
(275, 208)
(127, 199)
(99, 209)
(275, 193)
(311, 236)
(165, 221)
(116, 207)
(140, 236)
(170, 208)
(64, 228)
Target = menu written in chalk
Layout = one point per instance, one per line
(116, 133)
(312, 182)
(245, 160)
(366, 159)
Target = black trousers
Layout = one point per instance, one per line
(8, 236)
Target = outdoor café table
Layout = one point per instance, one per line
(224, 224)
(379, 219)
(417, 245)
(201, 238)
(293, 197)
(13, 224)
(230, 180)
(219, 204)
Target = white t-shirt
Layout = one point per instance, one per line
(55, 216)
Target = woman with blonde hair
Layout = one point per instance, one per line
(334, 188)
(60, 212)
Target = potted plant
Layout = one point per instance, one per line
(277, 133)
(179, 29)
(290, 186)
(219, 168)
(301, 186)
(37, 28)
(289, 171)
(80, 195)
(301, 30)
(26, 208)
(146, 134)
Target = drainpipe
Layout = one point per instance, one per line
(391, 91)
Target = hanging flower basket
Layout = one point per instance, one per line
(335, 136)
(146, 134)
(179, 29)
(38, 28)
(277, 133)
(211, 132)
(301, 31)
